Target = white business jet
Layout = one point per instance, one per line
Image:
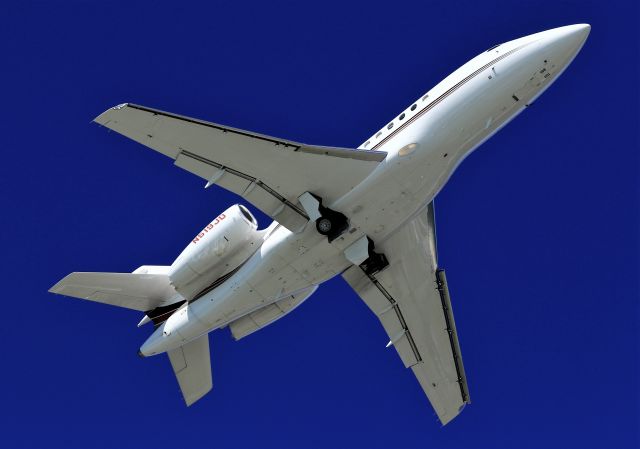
(365, 214)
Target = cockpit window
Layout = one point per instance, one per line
(495, 46)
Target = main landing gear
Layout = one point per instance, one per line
(375, 263)
(333, 224)
(362, 253)
(328, 222)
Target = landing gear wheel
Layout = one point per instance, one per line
(329, 223)
(324, 225)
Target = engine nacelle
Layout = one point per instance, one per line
(221, 247)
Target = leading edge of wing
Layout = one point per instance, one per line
(364, 155)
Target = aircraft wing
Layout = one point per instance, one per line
(270, 173)
(135, 291)
(191, 364)
(410, 298)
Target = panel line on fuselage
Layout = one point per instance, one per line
(438, 100)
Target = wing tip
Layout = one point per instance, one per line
(103, 118)
(58, 287)
(193, 398)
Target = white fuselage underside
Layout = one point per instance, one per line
(424, 148)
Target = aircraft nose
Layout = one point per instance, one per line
(568, 40)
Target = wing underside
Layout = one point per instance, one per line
(270, 173)
(410, 298)
(137, 291)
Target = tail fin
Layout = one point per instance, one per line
(144, 289)
(191, 364)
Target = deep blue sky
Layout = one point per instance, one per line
(538, 229)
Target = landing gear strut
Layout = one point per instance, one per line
(375, 262)
(328, 222)
(362, 253)
(331, 223)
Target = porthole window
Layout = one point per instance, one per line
(379, 134)
(367, 144)
(390, 125)
(413, 107)
(425, 97)
(401, 116)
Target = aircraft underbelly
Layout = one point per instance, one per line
(400, 187)
(421, 155)
(287, 263)
(443, 138)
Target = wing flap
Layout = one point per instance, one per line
(191, 364)
(135, 291)
(387, 311)
(271, 173)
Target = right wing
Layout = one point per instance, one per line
(411, 299)
(137, 291)
(191, 364)
(270, 173)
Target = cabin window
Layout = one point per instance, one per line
(390, 125)
(401, 116)
(367, 144)
(413, 107)
(425, 97)
(379, 134)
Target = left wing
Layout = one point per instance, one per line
(411, 300)
(191, 364)
(270, 173)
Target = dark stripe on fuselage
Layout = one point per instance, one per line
(449, 91)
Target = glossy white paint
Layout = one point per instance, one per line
(234, 275)
(454, 118)
(220, 247)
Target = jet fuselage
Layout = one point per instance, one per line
(424, 145)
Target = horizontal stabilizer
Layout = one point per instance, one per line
(191, 364)
(137, 291)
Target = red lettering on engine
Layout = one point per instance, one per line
(209, 227)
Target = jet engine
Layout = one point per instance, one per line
(222, 246)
